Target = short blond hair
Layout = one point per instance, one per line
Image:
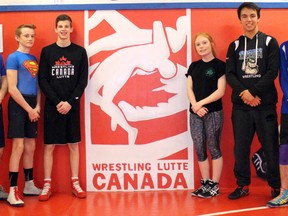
(19, 28)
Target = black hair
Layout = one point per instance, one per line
(249, 5)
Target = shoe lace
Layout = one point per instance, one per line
(16, 193)
(213, 191)
(77, 187)
(46, 188)
(205, 188)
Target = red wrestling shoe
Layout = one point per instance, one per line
(77, 190)
(46, 192)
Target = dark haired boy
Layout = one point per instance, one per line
(252, 64)
(63, 77)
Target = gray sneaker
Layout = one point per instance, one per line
(3, 194)
(30, 189)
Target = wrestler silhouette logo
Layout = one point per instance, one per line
(135, 100)
(142, 58)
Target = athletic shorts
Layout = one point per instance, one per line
(19, 124)
(284, 129)
(59, 128)
(2, 135)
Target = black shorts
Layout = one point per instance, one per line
(284, 129)
(61, 129)
(19, 124)
(2, 136)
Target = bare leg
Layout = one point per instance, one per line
(284, 176)
(17, 150)
(74, 159)
(217, 166)
(28, 154)
(48, 160)
(204, 169)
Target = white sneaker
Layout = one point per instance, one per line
(30, 189)
(14, 197)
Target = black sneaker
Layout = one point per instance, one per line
(200, 189)
(275, 192)
(211, 191)
(239, 192)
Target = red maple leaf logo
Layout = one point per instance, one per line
(63, 61)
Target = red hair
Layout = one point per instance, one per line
(209, 37)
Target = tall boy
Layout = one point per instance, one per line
(252, 64)
(63, 77)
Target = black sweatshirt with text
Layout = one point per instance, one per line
(253, 64)
(63, 73)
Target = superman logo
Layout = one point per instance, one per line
(32, 67)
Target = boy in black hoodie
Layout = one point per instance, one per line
(252, 64)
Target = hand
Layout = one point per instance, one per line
(255, 102)
(196, 107)
(246, 96)
(202, 112)
(63, 107)
(34, 115)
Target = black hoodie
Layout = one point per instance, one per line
(255, 71)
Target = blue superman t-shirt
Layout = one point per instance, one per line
(27, 68)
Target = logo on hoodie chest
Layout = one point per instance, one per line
(250, 63)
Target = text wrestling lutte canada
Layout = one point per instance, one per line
(140, 176)
(139, 166)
